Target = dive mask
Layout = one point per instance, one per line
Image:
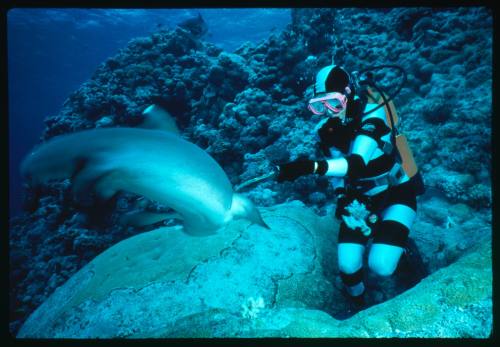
(335, 102)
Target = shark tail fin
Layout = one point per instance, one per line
(242, 207)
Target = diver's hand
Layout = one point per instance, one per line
(293, 170)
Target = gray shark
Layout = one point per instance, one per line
(157, 164)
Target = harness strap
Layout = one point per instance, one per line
(390, 178)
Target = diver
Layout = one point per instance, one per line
(376, 197)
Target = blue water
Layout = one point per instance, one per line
(52, 51)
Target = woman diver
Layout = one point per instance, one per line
(374, 182)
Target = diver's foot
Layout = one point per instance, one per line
(411, 268)
(354, 304)
(358, 301)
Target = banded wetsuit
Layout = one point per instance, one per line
(363, 167)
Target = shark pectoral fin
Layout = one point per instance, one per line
(199, 226)
(143, 218)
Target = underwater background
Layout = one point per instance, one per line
(237, 82)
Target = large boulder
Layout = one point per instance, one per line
(253, 282)
(152, 280)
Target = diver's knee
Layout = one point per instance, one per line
(349, 267)
(382, 267)
(349, 264)
(384, 259)
(350, 257)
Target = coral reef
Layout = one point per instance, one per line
(247, 110)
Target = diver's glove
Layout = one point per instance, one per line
(342, 201)
(301, 167)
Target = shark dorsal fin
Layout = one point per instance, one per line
(157, 118)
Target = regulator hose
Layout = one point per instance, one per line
(368, 81)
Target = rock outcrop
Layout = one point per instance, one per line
(253, 282)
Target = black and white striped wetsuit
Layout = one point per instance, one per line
(362, 170)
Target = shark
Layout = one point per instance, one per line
(158, 164)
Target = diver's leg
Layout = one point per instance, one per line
(390, 240)
(351, 267)
(351, 246)
(383, 259)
